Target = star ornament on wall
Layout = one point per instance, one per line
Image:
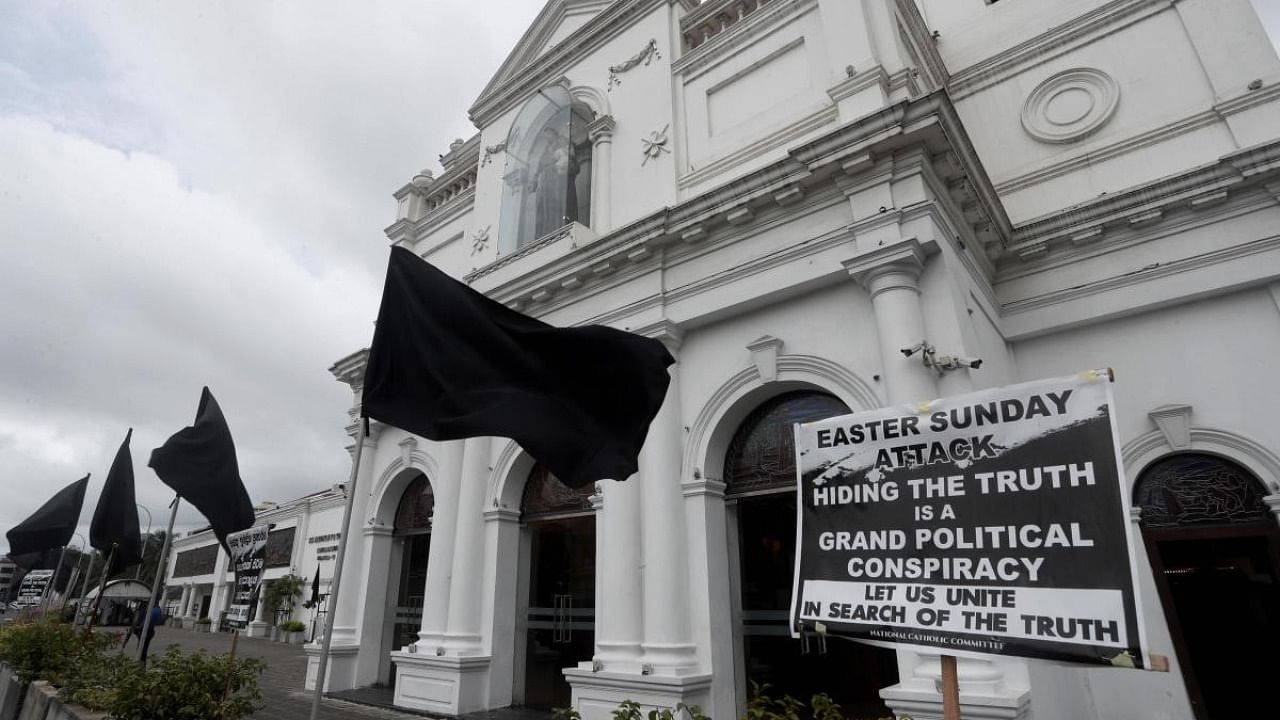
(655, 144)
(480, 240)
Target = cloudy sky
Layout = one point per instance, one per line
(193, 193)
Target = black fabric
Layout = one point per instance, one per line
(315, 588)
(449, 363)
(115, 520)
(199, 463)
(49, 527)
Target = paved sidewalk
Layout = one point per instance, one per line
(282, 692)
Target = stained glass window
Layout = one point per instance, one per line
(416, 506)
(762, 454)
(545, 496)
(1193, 489)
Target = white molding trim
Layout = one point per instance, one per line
(766, 18)
(1050, 45)
(1128, 279)
(419, 460)
(793, 371)
(512, 463)
(1102, 91)
(1145, 449)
(1092, 156)
(814, 121)
(1174, 422)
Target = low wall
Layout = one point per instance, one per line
(11, 692)
(37, 701)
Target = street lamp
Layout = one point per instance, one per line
(145, 542)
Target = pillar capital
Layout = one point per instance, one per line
(896, 265)
(669, 333)
(601, 129)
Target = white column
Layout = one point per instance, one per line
(435, 606)
(601, 134)
(667, 648)
(185, 602)
(891, 274)
(463, 635)
(350, 601)
(619, 606)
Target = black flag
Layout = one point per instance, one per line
(199, 463)
(315, 587)
(447, 363)
(115, 520)
(49, 527)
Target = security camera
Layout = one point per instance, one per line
(947, 362)
(922, 345)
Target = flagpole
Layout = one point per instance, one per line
(102, 586)
(53, 581)
(155, 582)
(362, 430)
(84, 585)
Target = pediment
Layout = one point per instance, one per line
(558, 20)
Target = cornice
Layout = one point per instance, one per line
(1100, 241)
(1147, 204)
(752, 200)
(1144, 275)
(350, 369)
(1092, 156)
(919, 39)
(1057, 41)
(595, 33)
(765, 18)
(746, 153)
(454, 209)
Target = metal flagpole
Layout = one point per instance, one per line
(52, 587)
(84, 586)
(102, 586)
(361, 433)
(155, 583)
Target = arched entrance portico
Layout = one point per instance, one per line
(556, 613)
(759, 473)
(409, 547)
(1214, 549)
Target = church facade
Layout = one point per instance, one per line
(789, 193)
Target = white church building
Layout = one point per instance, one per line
(788, 193)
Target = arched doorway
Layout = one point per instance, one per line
(760, 478)
(558, 553)
(411, 545)
(1215, 553)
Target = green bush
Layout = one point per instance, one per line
(45, 649)
(203, 621)
(93, 683)
(293, 626)
(189, 687)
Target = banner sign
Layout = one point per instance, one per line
(992, 523)
(34, 583)
(248, 557)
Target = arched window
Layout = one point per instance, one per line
(547, 179)
(413, 514)
(545, 496)
(762, 454)
(1194, 489)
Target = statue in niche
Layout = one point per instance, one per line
(553, 175)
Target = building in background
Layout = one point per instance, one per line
(9, 576)
(789, 193)
(303, 541)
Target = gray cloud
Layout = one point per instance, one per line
(194, 194)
